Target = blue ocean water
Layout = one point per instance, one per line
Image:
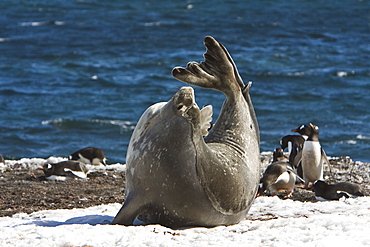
(80, 73)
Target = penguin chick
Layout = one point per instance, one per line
(277, 177)
(336, 191)
(278, 155)
(90, 156)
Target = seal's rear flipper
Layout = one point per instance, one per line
(218, 71)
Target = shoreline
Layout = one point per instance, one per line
(25, 189)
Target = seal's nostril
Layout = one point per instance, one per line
(179, 107)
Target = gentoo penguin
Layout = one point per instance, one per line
(304, 130)
(90, 156)
(2, 163)
(294, 143)
(312, 157)
(336, 191)
(65, 169)
(277, 177)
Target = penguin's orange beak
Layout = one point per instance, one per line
(312, 126)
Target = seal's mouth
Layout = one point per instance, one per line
(185, 100)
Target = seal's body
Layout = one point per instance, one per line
(177, 178)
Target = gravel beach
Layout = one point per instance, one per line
(24, 189)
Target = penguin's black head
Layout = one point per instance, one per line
(304, 130)
(314, 136)
(47, 169)
(319, 185)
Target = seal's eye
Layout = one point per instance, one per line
(179, 107)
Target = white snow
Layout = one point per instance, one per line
(270, 222)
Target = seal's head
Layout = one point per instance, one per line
(184, 105)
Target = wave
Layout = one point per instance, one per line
(82, 123)
(362, 137)
(41, 23)
(35, 163)
(313, 72)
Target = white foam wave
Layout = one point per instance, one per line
(121, 123)
(35, 163)
(345, 73)
(361, 137)
(4, 39)
(41, 23)
(153, 24)
(53, 121)
(30, 163)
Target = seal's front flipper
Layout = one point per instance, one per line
(205, 119)
(218, 71)
(127, 214)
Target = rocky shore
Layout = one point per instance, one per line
(25, 190)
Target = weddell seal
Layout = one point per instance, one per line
(177, 178)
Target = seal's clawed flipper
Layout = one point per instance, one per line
(218, 71)
(205, 119)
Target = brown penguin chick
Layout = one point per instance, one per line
(336, 191)
(90, 156)
(277, 177)
(66, 169)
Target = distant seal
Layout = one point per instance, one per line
(90, 155)
(65, 169)
(336, 191)
(177, 178)
(278, 177)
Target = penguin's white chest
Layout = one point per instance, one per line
(285, 181)
(311, 161)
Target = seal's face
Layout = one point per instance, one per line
(184, 105)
